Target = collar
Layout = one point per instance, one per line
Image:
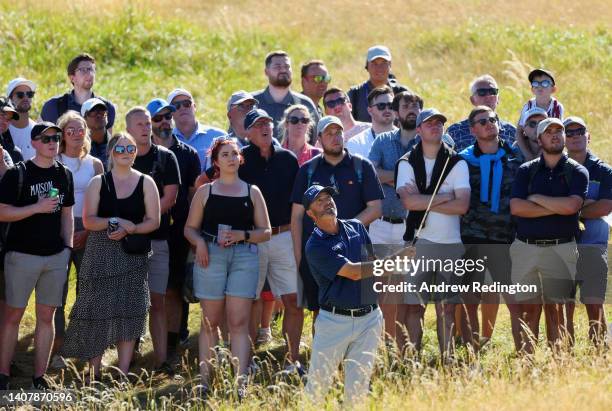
(256, 150)
(267, 96)
(198, 130)
(558, 166)
(71, 96)
(324, 235)
(347, 161)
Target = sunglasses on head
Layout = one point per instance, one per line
(22, 94)
(160, 117)
(183, 103)
(56, 138)
(383, 106)
(577, 132)
(336, 102)
(294, 120)
(484, 121)
(320, 78)
(482, 92)
(74, 131)
(130, 148)
(543, 83)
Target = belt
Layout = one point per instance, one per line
(209, 238)
(281, 229)
(393, 220)
(350, 312)
(546, 242)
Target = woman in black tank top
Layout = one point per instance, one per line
(226, 268)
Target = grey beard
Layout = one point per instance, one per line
(164, 134)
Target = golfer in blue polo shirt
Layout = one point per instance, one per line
(349, 325)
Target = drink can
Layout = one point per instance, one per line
(53, 192)
(113, 224)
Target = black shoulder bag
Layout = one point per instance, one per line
(131, 243)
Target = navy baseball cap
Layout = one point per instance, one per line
(158, 104)
(254, 115)
(428, 113)
(40, 128)
(313, 192)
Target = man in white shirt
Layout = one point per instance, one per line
(21, 93)
(337, 104)
(440, 238)
(380, 107)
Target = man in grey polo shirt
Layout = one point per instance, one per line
(277, 96)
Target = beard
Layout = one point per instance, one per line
(408, 124)
(552, 150)
(163, 133)
(23, 108)
(333, 152)
(284, 81)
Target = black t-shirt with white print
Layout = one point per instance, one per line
(39, 234)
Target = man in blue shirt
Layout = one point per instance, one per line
(187, 128)
(592, 267)
(359, 197)
(484, 92)
(547, 195)
(349, 325)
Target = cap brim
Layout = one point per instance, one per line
(440, 116)
(538, 72)
(14, 114)
(259, 118)
(56, 128)
(382, 56)
(329, 190)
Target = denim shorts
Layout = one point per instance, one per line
(232, 271)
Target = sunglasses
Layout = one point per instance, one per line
(577, 132)
(533, 123)
(484, 121)
(383, 106)
(56, 138)
(320, 79)
(183, 103)
(482, 92)
(130, 148)
(336, 102)
(22, 94)
(74, 131)
(294, 120)
(543, 83)
(160, 117)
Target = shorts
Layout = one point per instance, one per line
(277, 265)
(549, 271)
(592, 273)
(159, 267)
(25, 272)
(231, 271)
(497, 268)
(178, 247)
(436, 269)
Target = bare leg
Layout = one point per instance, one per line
(212, 314)
(43, 338)
(293, 322)
(238, 311)
(157, 327)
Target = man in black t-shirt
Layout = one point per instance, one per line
(189, 167)
(162, 166)
(36, 197)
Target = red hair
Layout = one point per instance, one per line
(216, 148)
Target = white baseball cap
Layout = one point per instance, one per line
(19, 81)
(178, 92)
(91, 103)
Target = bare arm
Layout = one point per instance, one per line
(413, 200)
(98, 167)
(91, 201)
(558, 205)
(67, 226)
(526, 208)
(458, 206)
(297, 215)
(372, 211)
(597, 209)
(193, 224)
(523, 144)
(168, 200)
(263, 229)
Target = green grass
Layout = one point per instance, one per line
(145, 49)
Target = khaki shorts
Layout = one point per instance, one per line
(277, 264)
(26, 272)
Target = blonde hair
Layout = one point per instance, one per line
(113, 142)
(63, 121)
(282, 126)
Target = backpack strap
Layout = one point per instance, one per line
(21, 169)
(358, 167)
(312, 166)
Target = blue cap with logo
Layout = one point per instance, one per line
(158, 104)
(429, 113)
(311, 194)
(254, 115)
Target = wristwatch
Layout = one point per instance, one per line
(247, 235)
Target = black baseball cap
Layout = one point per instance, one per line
(40, 128)
(311, 194)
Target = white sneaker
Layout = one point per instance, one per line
(264, 336)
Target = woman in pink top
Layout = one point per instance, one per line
(295, 128)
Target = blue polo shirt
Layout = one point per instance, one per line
(600, 188)
(327, 253)
(352, 197)
(549, 182)
(201, 139)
